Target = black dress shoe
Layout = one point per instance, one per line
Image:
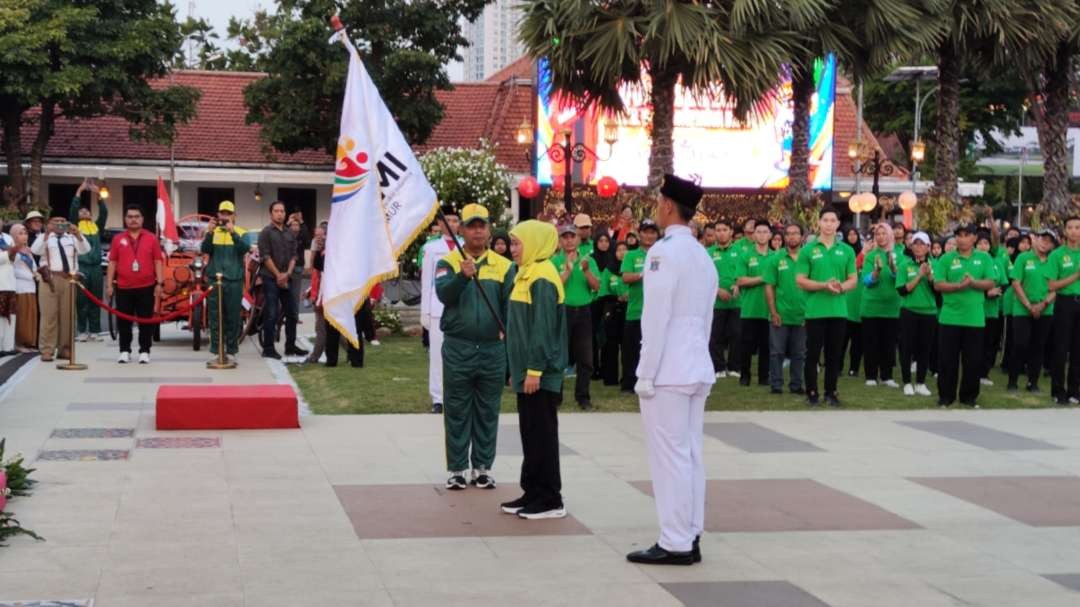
(776, 391)
(696, 550)
(658, 556)
(833, 400)
(813, 400)
(271, 354)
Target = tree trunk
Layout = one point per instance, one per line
(16, 189)
(37, 154)
(802, 91)
(1053, 133)
(661, 154)
(948, 123)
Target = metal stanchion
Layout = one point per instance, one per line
(220, 363)
(71, 365)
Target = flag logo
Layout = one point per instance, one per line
(350, 174)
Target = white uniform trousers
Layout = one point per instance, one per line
(435, 341)
(7, 333)
(674, 421)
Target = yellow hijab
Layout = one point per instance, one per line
(539, 240)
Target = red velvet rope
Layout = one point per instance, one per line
(145, 321)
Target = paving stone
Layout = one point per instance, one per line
(83, 455)
(742, 594)
(149, 380)
(1039, 501)
(178, 442)
(980, 436)
(93, 433)
(1068, 580)
(754, 438)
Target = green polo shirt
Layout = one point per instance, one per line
(821, 263)
(576, 288)
(790, 299)
(634, 263)
(611, 284)
(725, 259)
(585, 248)
(1064, 262)
(1033, 274)
(993, 305)
(880, 299)
(752, 302)
(921, 299)
(964, 308)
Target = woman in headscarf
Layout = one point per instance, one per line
(500, 243)
(536, 346)
(880, 307)
(603, 253)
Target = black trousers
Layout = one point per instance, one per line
(599, 337)
(1028, 346)
(991, 343)
(917, 335)
(724, 340)
(828, 335)
(1007, 349)
(136, 302)
(631, 353)
(960, 348)
(333, 343)
(580, 342)
(614, 318)
(855, 350)
(879, 347)
(365, 320)
(1066, 340)
(538, 422)
(273, 296)
(754, 340)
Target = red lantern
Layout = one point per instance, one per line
(607, 187)
(558, 183)
(529, 187)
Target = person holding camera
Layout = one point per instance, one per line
(135, 263)
(59, 248)
(226, 245)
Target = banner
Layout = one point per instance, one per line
(380, 203)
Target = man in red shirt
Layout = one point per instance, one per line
(135, 263)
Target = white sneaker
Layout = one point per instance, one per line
(909, 390)
(535, 515)
(892, 383)
(922, 390)
(125, 357)
(1074, 401)
(721, 374)
(734, 374)
(986, 381)
(375, 342)
(82, 337)
(871, 383)
(144, 358)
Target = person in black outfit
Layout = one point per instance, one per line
(603, 253)
(614, 317)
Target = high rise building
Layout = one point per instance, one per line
(493, 40)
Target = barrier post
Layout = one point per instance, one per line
(221, 362)
(71, 365)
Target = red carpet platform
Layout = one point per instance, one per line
(226, 407)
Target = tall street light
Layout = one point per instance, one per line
(568, 153)
(916, 73)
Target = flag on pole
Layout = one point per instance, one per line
(166, 223)
(380, 203)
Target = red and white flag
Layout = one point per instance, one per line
(166, 223)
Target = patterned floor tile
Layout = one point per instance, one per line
(93, 433)
(178, 442)
(149, 380)
(980, 436)
(770, 505)
(1039, 501)
(132, 406)
(509, 443)
(754, 438)
(1068, 580)
(413, 511)
(49, 603)
(84, 455)
(742, 594)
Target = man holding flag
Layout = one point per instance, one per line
(88, 315)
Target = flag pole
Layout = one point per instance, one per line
(476, 277)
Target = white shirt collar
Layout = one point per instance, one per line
(677, 229)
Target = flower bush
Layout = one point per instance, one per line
(387, 317)
(14, 482)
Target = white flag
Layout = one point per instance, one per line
(381, 201)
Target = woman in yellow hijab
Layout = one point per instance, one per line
(536, 346)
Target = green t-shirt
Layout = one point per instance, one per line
(585, 248)
(752, 299)
(964, 308)
(921, 299)
(634, 263)
(576, 288)
(993, 305)
(1033, 274)
(879, 299)
(725, 259)
(612, 284)
(821, 263)
(790, 299)
(1064, 262)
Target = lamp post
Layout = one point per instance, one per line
(916, 73)
(865, 161)
(567, 152)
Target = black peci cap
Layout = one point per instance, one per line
(683, 192)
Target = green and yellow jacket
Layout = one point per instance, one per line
(92, 231)
(226, 253)
(536, 316)
(465, 315)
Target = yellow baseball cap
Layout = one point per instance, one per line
(473, 212)
(227, 205)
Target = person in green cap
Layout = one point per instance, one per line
(787, 313)
(633, 272)
(1033, 310)
(226, 244)
(581, 280)
(753, 311)
(962, 277)
(88, 314)
(880, 307)
(473, 350)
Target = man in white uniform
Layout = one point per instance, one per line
(675, 374)
(431, 309)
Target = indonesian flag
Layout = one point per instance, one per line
(380, 203)
(166, 223)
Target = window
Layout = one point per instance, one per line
(144, 197)
(210, 198)
(60, 195)
(302, 200)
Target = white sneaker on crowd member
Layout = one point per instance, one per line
(83, 337)
(482, 479)
(734, 374)
(457, 481)
(144, 358)
(125, 357)
(922, 390)
(909, 390)
(892, 383)
(986, 381)
(1074, 401)
(871, 383)
(721, 374)
(376, 342)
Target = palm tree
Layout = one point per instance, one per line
(594, 48)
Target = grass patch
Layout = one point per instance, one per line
(394, 380)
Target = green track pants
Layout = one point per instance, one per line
(473, 378)
(88, 315)
(234, 293)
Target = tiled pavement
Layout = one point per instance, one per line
(826, 508)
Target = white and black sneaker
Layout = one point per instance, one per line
(482, 479)
(536, 512)
(457, 481)
(513, 507)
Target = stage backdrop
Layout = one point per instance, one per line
(709, 142)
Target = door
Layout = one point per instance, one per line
(210, 198)
(144, 197)
(300, 200)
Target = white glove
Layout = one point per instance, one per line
(425, 321)
(644, 388)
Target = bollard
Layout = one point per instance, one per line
(220, 363)
(71, 365)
